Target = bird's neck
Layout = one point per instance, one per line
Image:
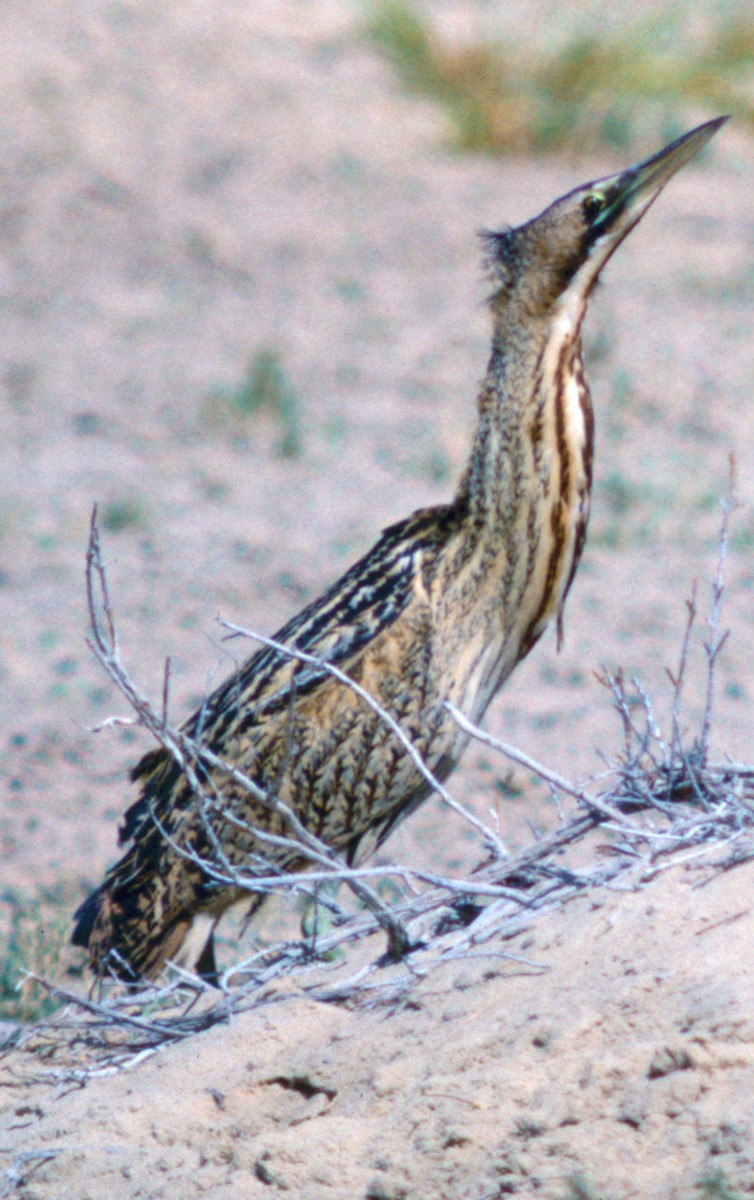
(528, 479)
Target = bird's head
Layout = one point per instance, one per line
(550, 264)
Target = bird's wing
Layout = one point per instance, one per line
(333, 628)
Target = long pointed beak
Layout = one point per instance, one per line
(637, 187)
(654, 172)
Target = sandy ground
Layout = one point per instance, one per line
(624, 1063)
(182, 187)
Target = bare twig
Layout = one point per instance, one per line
(716, 640)
(694, 808)
(165, 691)
(552, 777)
(679, 678)
(24, 1164)
(322, 664)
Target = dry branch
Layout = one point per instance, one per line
(660, 803)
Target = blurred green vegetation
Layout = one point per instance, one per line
(712, 1186)
(265, 388)
(124, 512)
(592, 83)
(34, 938)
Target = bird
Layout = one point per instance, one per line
(440, 611)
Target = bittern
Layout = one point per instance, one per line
(441, 609)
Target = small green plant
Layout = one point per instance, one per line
(317, 921)
(266, 388)
(742, 539)
(34, 934)
(714, 1187)
(580, 1189)
(7, 514)
(126, 512)
(628, 512)
(594, 84)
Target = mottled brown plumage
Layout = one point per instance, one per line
(442, 608)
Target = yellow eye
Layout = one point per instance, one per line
(593, 206)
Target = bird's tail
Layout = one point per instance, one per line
(120, 945)
(139, 919)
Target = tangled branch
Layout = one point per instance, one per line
(661, 802)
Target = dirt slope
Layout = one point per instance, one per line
(624, 1054)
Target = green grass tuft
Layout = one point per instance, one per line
(265, 388)
(589, 86)
(714, 1187)
(126, 512)
(580, 1189)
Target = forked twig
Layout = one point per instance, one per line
(714, 644)
(594, 803)
(696, 807)
(679, 678)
